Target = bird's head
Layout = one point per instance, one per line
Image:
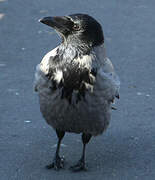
(77, 28)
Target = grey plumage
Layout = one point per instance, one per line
(77, 84)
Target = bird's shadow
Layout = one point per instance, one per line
(103, 153)
(109, 154)
(115, 154)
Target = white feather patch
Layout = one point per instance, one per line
(44, 65)
(85, 61)
(58, 76)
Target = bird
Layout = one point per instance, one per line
(76, 83)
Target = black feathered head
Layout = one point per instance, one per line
(77, 27)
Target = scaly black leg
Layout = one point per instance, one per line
(81, 163)
(58, 162)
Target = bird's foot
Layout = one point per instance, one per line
(58, 163)
(80, 166)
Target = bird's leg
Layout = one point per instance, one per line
(58, 161)
(81, 163)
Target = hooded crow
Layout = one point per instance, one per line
(76, 82)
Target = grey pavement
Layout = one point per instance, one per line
(126, 151)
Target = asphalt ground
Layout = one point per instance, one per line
(126, 151)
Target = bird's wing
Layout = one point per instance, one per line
(42, 70)
(110, 82)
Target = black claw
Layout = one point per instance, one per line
(80, 166)
(58, 163)
(50, 166)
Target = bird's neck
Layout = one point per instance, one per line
(74, 49)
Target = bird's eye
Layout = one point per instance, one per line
(76, 27)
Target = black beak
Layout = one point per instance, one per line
(61, 23)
